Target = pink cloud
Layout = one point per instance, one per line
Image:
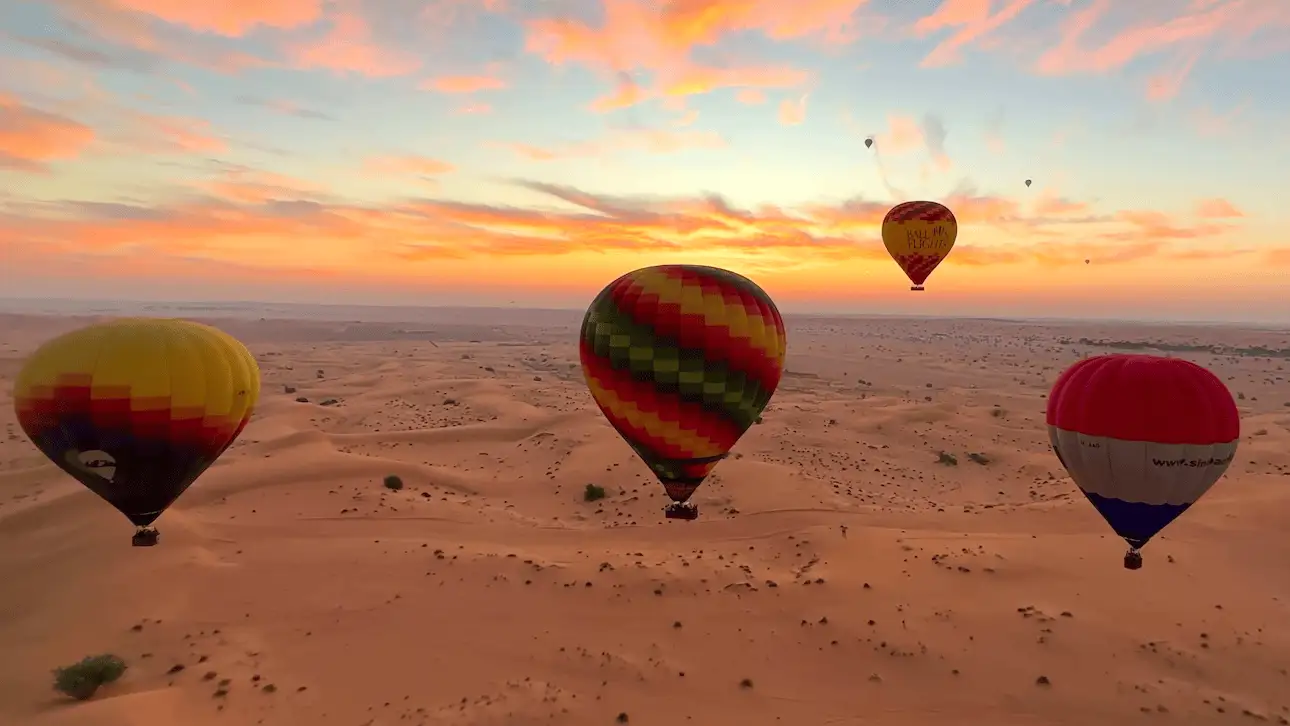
(228, 17)
(348, 48)
(792, 112)
(974, 22)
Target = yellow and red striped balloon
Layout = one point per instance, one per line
(682, 359)
(136, 409)
(919, 236)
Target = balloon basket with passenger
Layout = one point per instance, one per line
(145, 537)
(1133, 559)
(682, 510)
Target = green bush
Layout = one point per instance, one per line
(592, 493)
(393, 482)
(81, 680)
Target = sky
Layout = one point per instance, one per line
(528, 152)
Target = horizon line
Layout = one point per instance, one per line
(216, 305)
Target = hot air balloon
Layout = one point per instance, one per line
(136, 409)
(918, 235)
(1143, 437)
(1027, 182)
(868, 143)
(682, 359)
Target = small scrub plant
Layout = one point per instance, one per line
(393, 482)
(981, 459)
(947, 459)
(82, 680)
(592, 493)
(997, 412)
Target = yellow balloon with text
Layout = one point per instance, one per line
(918, 236)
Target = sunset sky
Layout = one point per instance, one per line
(527, 152)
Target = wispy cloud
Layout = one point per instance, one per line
(651, 141)
(287, 108)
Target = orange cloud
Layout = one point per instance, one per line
(1158, 225)
(1279, 257)
(251, 186)
(1048, 205)
(464, 84)
(1217, 209)
(661, 39)
(228, 17)
(792, 113)
(696, 80)
(626, 93)
(349, 48)
(652, 141)
(414, 165)
(30, 137)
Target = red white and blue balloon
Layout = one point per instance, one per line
(1143, 437)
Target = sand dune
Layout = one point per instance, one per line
(838, 575)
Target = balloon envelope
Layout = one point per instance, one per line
(1027, 182)
(868, 143)
(1142, 436)
(136, 409)
(681, 359)
(918, 235)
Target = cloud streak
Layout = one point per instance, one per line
(252, 210)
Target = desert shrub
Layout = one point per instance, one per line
(81, 680)
(947, 459)
(997, 412)
(979, 458)
(393, 482)
(592, 493)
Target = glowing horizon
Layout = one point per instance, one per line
(485, 152)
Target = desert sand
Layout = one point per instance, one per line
(838, 574)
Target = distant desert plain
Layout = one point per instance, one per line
(895, 545)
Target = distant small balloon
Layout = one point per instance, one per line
(868, 143)
(1086, 262)
(1027, 182)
